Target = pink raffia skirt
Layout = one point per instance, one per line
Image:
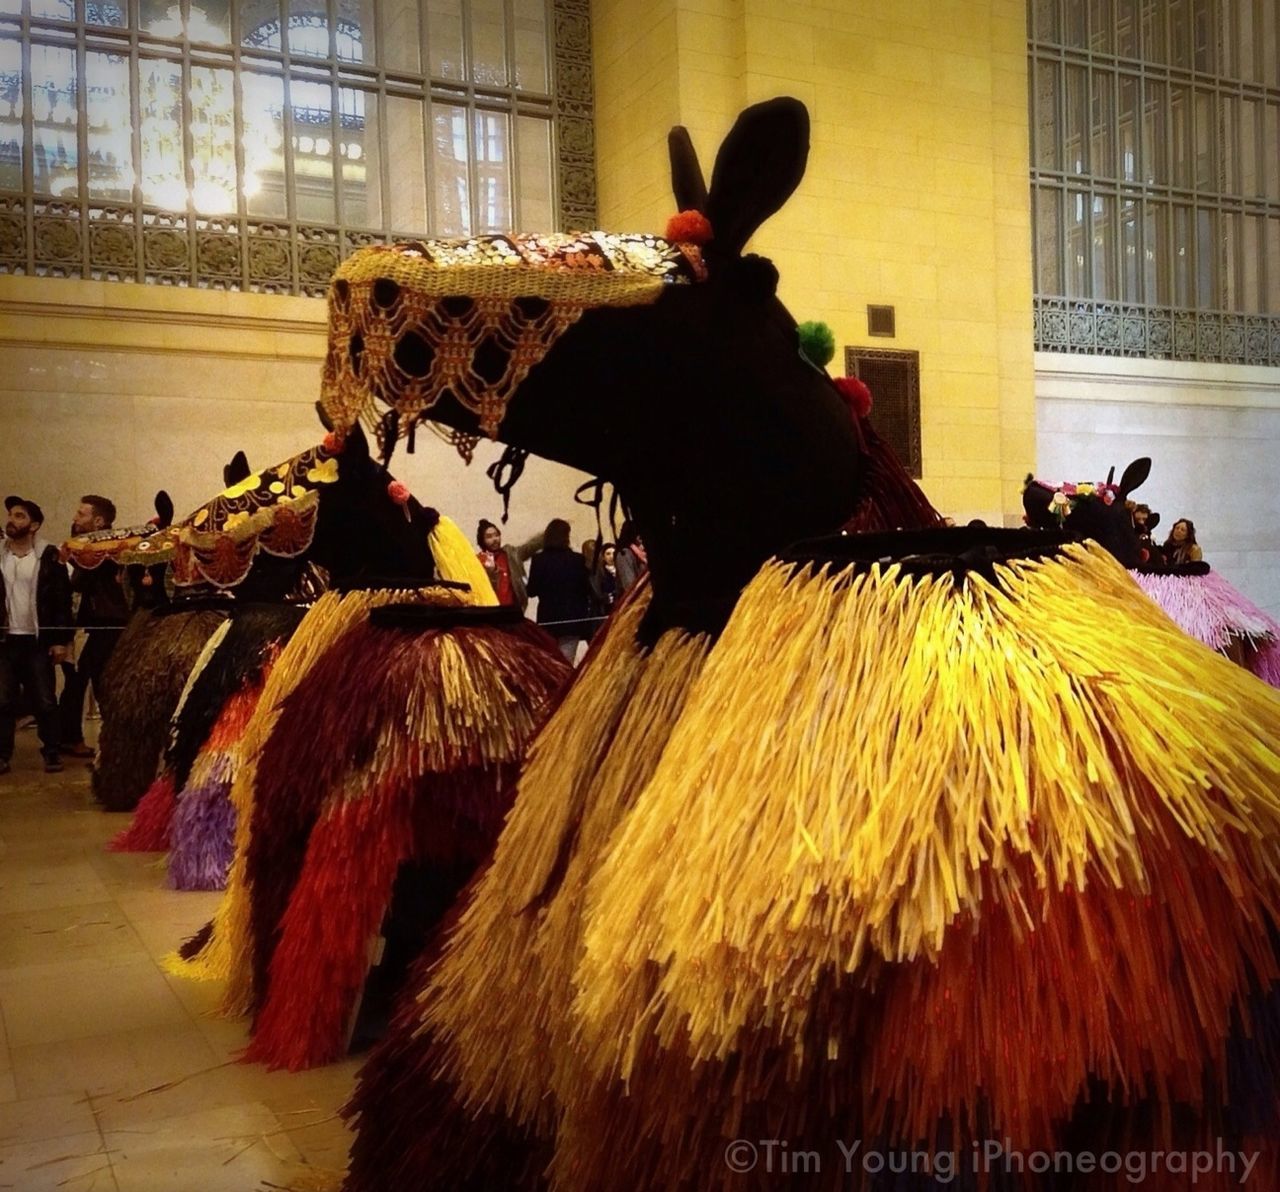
(1221, 616)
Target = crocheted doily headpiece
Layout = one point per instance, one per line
(410, 323)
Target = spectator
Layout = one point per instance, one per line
(589, 549)
(631, 560)
(36, 596)
(1181, 545)
(504, 565)
(1144, 521)
(103, 610)
(604, 580)
(558, 578)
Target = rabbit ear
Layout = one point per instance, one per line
(164, 509)
(758, 167)
(1135, 475)
(1153, 520)
(325, 420)
(687, 183)
(1111, 474)
(1035, 502)
(236, 470)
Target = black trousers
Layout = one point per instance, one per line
(25, 666)
(78, 679)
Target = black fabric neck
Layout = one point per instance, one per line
(950, 550)
(1184, 569)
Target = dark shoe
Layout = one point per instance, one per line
(81, 750)
(53, 765)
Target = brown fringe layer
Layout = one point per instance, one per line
(140, 689)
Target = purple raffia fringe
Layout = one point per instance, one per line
(203, 834)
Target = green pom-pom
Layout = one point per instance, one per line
(817, 342)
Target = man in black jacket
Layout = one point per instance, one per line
(35, 594)
(102, 613)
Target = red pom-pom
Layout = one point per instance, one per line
(333, 443)
(856, 394)
(689, 227)
(398, 491)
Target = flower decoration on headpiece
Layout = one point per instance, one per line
(855, 392)
(1067, 497)
(689, 227)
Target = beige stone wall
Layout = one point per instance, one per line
(124, 389)
(916, 194)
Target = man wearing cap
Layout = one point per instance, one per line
(35, 594)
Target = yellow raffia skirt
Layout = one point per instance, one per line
(944, 834)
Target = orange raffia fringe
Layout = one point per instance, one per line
(148, 831)
(498, 1000)
(234, 719)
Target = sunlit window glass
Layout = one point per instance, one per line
(293, 130)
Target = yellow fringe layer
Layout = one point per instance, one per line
(903, 750)
(456, 562)
(227, 955)
(499, 999)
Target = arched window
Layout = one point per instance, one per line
(252, 144)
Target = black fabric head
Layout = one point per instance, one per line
(362, 530)
(722, 442)
(1110, 525)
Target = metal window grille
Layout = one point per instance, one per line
(893, 376)
(1155, 177)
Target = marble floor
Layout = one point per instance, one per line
(114, 1076)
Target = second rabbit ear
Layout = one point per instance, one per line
(758, 167)
(687, 183)
(1135, 475)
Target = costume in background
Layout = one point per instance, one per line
(1198, 600)
(328, 838)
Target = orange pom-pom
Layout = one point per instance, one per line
(856, 394)
(398, 491)
(689, 227)
(333, 443)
